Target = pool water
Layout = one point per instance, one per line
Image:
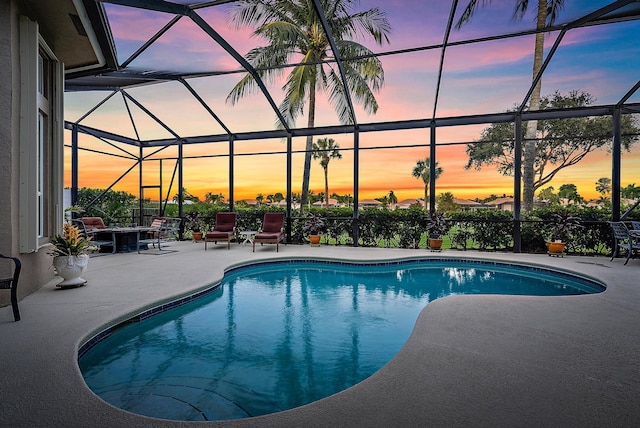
(276, 336)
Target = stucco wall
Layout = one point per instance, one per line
(36, 267)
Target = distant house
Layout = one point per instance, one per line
(332, 203)
(408, 203)
(504, 204)
(467, 204)
(370, 203)
(250, 202)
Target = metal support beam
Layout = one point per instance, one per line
(289, 184)
(616, 153)
(336, 55)
(355, 231)
(74, 165)
(231, 172)
(432, 171)
(180, 189)
(243, 62)
(141, 194)
(517, 184)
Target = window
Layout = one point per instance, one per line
(41, 166)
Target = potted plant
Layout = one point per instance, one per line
(564, 222)
(436, 228)
(194, 224)
(313, 226)
(70, 257)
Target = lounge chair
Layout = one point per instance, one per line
(272, 231)
(11, 283)
(225, 229)
(98, 238)
(623, 239)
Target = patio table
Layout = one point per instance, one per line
(248, 236)
(127, 238)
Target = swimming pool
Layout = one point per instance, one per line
(278, 335)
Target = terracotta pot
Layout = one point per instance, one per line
(71, 268)
(314, 240)
(197, 236)
(435, 243)
(555, 247)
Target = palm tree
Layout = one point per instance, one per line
(422, 170)
(326, 149)
(392, 198)
(603, 186)
(293, 29)
(213, 198)
(547, 13)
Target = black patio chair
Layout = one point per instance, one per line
(11, 283)
(623, 239)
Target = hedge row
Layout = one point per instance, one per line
(487, 230)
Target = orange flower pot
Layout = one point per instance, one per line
(435, 243)
(555, 247)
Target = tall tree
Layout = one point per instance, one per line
(630, 191)
(570, 193)
(422, 170)
(563, 142)
(603, 186)
(326, 149)
(294, 30)
(547, 195)
(392, 198)
(546, 15)
(213, 198)
(447, 203)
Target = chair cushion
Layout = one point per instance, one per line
(156, 223)
(225, 221)
(218, 234)
(224, 227)
(267, 235)
(93, 222)
(273, 222)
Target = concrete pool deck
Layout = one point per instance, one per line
(470, 361)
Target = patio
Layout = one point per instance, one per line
(471, 360)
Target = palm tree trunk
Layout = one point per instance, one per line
(326, 185)
(528, 175)
(426, 196)
(309, 146)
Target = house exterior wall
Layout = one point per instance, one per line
(36, 266)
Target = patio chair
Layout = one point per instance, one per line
(11, 283)
(623, 239)
(95, 234)
(165, 229)
(272, 230)
(224, 230)
(635, 225)
(91, 223)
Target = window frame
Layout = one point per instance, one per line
(41, 137)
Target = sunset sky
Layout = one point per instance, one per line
(487, 77)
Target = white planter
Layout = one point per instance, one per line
(71, 268)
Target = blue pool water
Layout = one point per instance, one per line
(276, 336)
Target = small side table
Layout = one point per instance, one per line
(248, 236)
